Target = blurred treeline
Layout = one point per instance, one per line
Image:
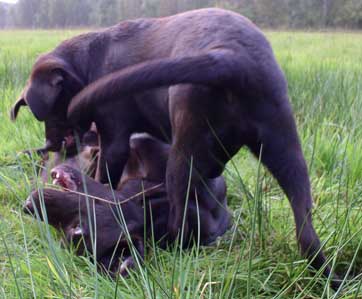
(96, 13)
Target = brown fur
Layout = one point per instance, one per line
(68, 211)
(236, 95)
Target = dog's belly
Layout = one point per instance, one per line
(229, 130)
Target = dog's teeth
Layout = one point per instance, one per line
(28, 201)
(78, 231)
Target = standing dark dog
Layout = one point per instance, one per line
(243, 101)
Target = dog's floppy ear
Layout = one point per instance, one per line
(15, 109)
(53, 79)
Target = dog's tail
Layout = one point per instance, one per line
(218, 68)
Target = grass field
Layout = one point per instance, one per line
(258, 258)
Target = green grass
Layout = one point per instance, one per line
(258, 258)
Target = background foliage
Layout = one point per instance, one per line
(94, 13)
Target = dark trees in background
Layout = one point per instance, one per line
(131, 8)
(168, 7)
(3, 15)
(104, 13)
(57, 13)
(98, 13)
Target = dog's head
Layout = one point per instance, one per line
(52, 83)
(59, 207)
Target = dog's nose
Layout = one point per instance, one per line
(28, 206)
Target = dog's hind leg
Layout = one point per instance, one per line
(192, 145)
(279, 147)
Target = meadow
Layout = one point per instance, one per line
(258, 257)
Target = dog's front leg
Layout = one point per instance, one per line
(113, 156)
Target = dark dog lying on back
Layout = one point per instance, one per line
(86, 219)
(100, 216)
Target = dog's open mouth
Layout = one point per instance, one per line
(63, 179)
